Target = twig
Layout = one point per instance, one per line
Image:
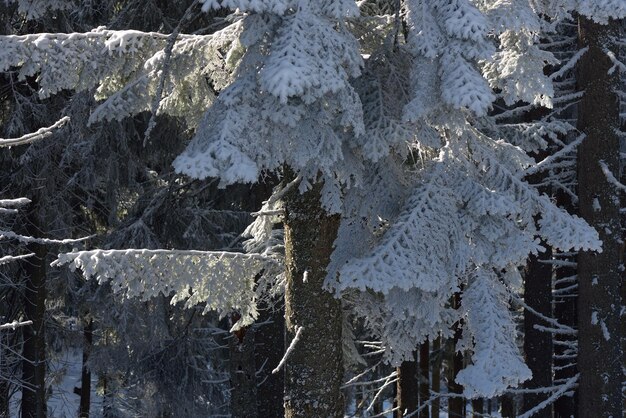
(544, 164)
(14, 203)
(571, 383)
(41, 133)
(27, 240)
(290, 349)
(610, 177)
(275, 197)
(9, 258)
(15, 324)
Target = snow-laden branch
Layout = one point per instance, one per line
(563, 328)
(569, 64)
(290, 349)
(15, 324)
(545, 163)
(14, 203)
(570, 384)
(225, 281)
(41, 133)
(617, 64)
(10, 258)
(610, 177)
(44, 241)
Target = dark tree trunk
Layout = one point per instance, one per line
(438, 359)
(538, 344)
(34, 351)
(456, 404)
(270, 346)
(507, 406)
(478, 406)
(407, 388)
(565, 312)
(243, 374)
(424, 379)
(85, 381)
(599, 296)
(314, 370)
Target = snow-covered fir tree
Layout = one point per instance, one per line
(399, 188)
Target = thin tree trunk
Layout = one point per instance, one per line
(34, 351)
(478, 406)
(243, 400)
(407, 388)
(269, 349)
(424, 379)
(436, 380)
(599, 296)
(565, 312)
(507, 406)
(456, 404)
(538, 344)
(314, 368)
(85, 381)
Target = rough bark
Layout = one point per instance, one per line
(538, 344)
(424, 379)
(599, 297)
(269, 349)
(407, 388)
(314, 369)
(34, 350)
(243, 375)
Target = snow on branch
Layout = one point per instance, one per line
(290, 349)
(28, 240)
(617, 64)
(34, 136)
(545, 163)
(569, 64)
(15, 324)
(125, 67)
(496, 361)
(9, 258)
(225, 281)
(14, 203)
(567, 386)
(610, 177)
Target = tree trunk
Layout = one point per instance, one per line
(85, 381)
(243, 374)
(507, 406)
(314, 369)
(269, 349)
(456, 404)
(599, 297)
(424, 379)
(478, 406)
(538, 344)
(407, 388)
(34, 351)
(437, 352)
(565, 312)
